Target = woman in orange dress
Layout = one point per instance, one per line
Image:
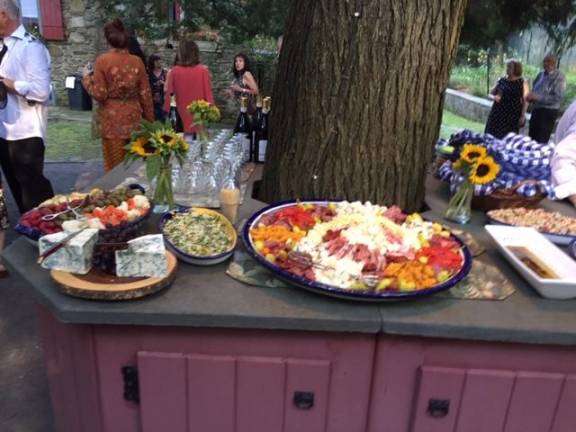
(120, 84)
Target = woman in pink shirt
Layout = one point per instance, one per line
(188, 81)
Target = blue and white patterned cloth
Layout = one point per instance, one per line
(520, 158)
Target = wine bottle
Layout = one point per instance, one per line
(256, 121)
(174, 117)
(262, 142)
(243, 130)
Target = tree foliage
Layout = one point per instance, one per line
(238, 19)
(490, 21)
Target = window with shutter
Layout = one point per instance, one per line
(30, 13)
(50, 19)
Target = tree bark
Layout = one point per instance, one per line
(358, 99)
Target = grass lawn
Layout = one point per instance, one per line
(71, 140)
(452, 123)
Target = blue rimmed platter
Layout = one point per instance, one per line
(368, 295)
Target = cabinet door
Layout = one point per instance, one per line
(162, 392)
(565, 420)
(438, 399)
(534, 401)
(199, 393)
(473, 400)
(485, 400)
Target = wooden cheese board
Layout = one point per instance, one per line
(97, 285)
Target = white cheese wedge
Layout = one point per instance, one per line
(75, 256)
(145, 257)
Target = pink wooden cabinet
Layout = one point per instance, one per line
(201, 380)
(427, 385)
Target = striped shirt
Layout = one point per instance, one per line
(549, 89)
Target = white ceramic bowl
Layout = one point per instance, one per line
(563, 287)
(195, 259)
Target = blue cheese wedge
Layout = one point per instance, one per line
(145, 257)
(75, 256)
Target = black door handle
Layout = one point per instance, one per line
(303, 400)
(438, 408)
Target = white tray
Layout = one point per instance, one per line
(549, 254)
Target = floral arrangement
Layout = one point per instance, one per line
(206, 35)
(203, 113)
(156, 143)
(477, 167)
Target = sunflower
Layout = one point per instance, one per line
(184, 145)
(142, 147)
(166, 138)
(471, 152)
(213, 114)
(198, 106)
(484, 170)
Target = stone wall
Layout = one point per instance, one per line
(467, 106)
(84, 41)
(471, 107)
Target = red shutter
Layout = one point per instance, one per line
(51, 19)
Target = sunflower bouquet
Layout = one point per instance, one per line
(203, 113)
(156, 143)
(476, 167)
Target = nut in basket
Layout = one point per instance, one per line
(507, 198)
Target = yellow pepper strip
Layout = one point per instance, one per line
(412, 275)
(277, 233)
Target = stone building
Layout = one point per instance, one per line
(74, 38)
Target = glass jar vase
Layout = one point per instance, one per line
(460, 206)
(163, 194)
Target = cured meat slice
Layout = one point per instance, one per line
(395, 214)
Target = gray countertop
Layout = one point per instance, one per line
(207, 297)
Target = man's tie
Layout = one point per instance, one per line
(3, 91)
(3, 51)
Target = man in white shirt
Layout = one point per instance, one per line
(25, 71)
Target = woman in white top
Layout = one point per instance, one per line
(564, 159)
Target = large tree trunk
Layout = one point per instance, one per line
(358, 100)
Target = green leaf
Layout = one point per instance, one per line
(152, 166)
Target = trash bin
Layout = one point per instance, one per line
(78, 97)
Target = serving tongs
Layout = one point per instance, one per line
(77, 215)
(371, 281)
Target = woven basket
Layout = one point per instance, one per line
(507, 198)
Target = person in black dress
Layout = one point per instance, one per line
(509, 107)
(157, 75)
